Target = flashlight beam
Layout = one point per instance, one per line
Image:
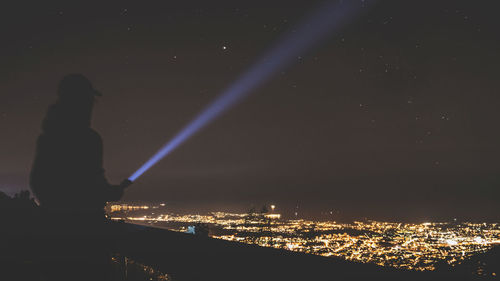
(327, 19)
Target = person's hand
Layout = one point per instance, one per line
(125, 183)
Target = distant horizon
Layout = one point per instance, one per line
(288, 213)
(307, 209)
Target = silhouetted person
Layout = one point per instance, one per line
(68, 180)
(67, 173)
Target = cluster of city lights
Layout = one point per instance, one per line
(401, 245)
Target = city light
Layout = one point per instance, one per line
(402, 245)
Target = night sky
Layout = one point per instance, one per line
(395, 117)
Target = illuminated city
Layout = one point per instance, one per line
(402, 245)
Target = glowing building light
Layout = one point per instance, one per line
(327, 19)
(451, 242)
(273, 216)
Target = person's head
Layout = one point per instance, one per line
(75, 100)
(76, 89)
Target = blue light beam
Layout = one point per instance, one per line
(315, 28)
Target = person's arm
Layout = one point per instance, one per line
(115, 192)
(111, 192)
